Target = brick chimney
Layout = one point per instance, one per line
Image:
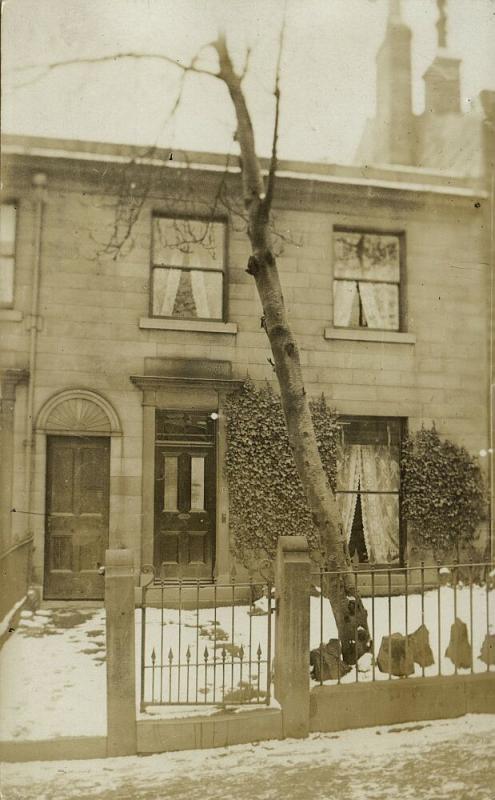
(443, 86)
(394, 119)
(442, 78)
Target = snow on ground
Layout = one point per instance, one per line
(475, 608)
(431, 761)
(206, 635)
(52, 676)
(213, 656)
(52, 669)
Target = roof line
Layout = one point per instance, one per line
(13, 149)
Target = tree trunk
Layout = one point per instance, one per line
(350, 615)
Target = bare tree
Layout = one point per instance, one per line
(257, 199)
(349, 613)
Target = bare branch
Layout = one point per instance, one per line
(253, 186)
(270, 186)
(47, 68)
(131, 198)
(245, 68)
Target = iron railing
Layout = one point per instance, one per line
(205, 643)
(424, 620)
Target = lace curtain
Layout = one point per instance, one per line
(178, 246)
(380, 303)
(371, 468)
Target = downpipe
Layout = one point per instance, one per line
(39, 184)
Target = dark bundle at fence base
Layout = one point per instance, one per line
(419, 646)
(459, 649)
(326, 663)
(487, 654)
(395, 656)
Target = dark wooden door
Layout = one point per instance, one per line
(184, 510)
(77, 499)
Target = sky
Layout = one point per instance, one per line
(328, 69)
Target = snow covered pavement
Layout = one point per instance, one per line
(425, 761)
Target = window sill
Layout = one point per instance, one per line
(10, 315)
(195, 325)
(354, 335)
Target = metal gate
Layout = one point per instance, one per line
(205, 643)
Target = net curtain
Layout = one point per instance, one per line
(380, 304)
(369, 468)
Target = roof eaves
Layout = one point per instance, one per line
(317, 177)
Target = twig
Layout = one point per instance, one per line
(245, 68)
(270, 186)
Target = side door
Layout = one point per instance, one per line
(77, 504)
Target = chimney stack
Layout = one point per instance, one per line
(442, 78)
(394, 105)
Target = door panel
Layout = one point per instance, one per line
(185, 518)
(77, 500)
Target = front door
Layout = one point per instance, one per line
(77, 499)
(185, 495)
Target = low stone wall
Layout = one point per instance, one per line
(220, 729)
(13, 576)
(221, 595)
(62, 749)
(335, 708)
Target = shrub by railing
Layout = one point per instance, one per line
(443, 494)
(265, 493)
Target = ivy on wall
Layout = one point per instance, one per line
(265, 494)
(442, 491)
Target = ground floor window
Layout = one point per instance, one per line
(368, 485)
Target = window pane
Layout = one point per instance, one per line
(7, 230)
(184, 425)
(380, 514)
(188, 243)
(379, 470)
(380, 302)
(368, 458)
(367, 464)
(187, 294)
(6, 281)
(371, 430)
(170, 469)
(379, 520)
(197, 483)
(345, 304)
(367, 256)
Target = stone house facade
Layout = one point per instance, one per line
(116, 362)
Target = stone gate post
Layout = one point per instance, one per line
(121, 663)
(292, 583)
